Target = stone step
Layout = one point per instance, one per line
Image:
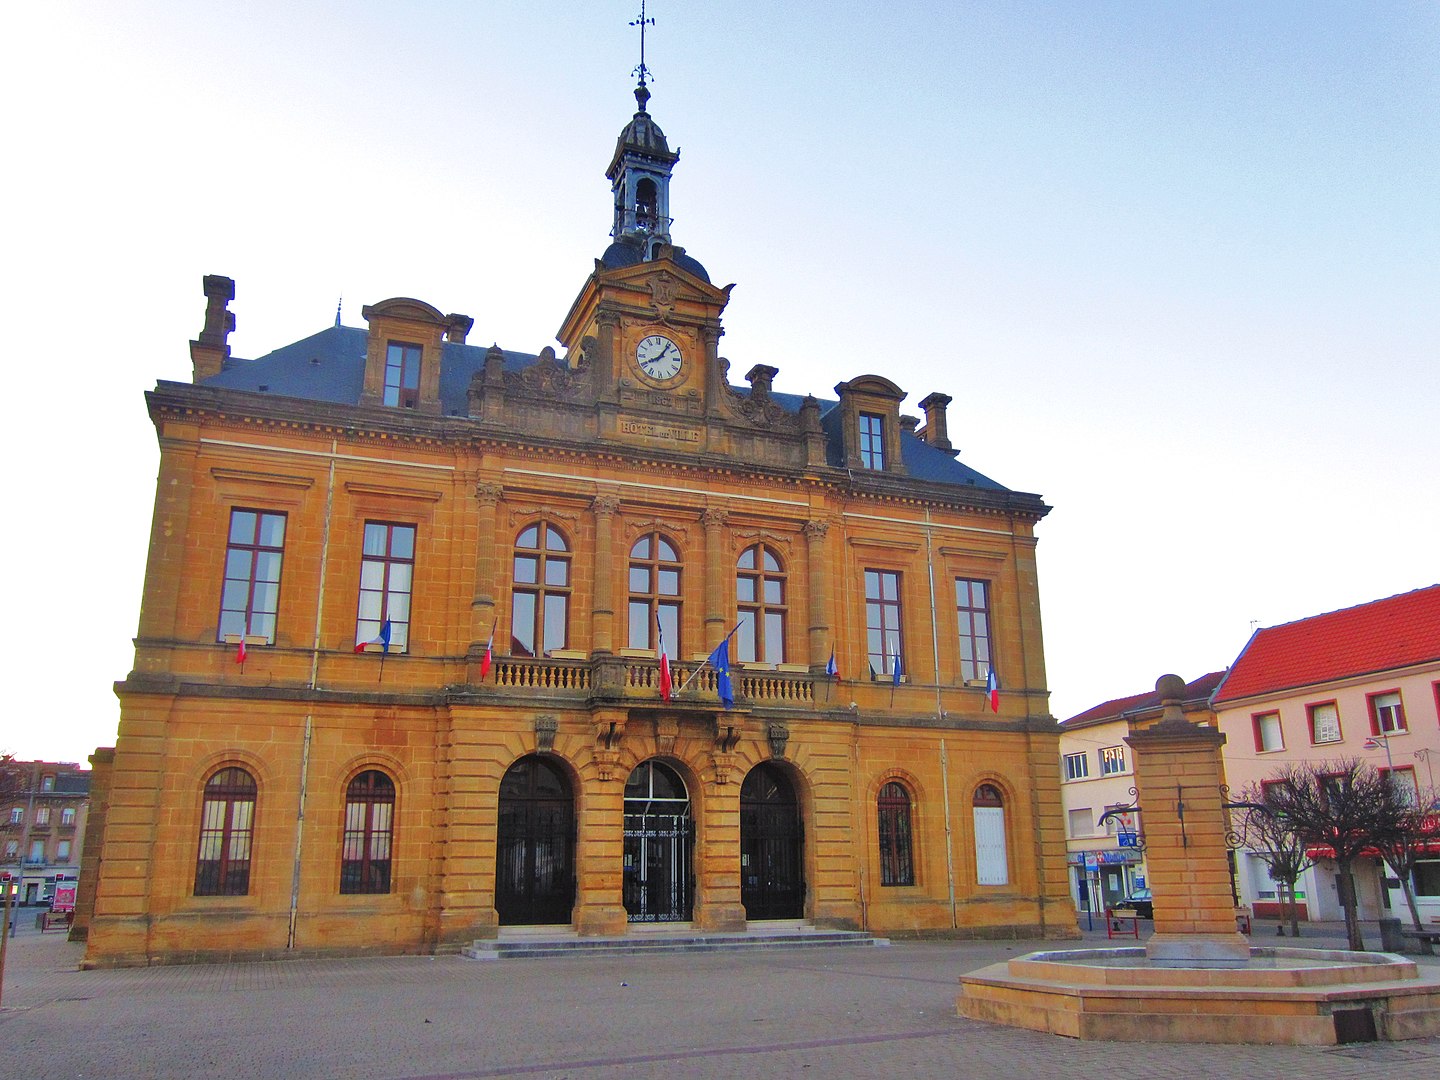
(531, 946)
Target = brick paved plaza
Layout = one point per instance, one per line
(821, 1013)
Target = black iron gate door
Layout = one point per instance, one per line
(772, 883)
(658, 882)
(535, 847)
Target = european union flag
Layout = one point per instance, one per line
(720, 661)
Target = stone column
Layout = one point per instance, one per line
(717, 855)
(818, 573)
(717, 574)
(1178, 773)
(602, 626)
(600, 836)
(482, 604)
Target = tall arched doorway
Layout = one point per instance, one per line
(659, 842)
(535, 845)
(772, 839)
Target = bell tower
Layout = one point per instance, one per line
(639, 171)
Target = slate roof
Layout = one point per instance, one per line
(1396, 632)
(1195, 690)
(330, 367)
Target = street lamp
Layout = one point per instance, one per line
(1378, 740)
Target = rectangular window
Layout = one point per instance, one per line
(12, 848)
(47, 784)
(1324, 722)
(42, 815)
(1427, 878)
(37, 851)
(67, 816)
(972, 613)
(1401, 781)
(387, 571)
(250, 596)
(1268, 734)
(882, 621)
(17, 815)
(1387, 714)
(1077, 766)
(62, 851)
(872, 441)
(1112, 760)
(402, 375)
(1081, 823)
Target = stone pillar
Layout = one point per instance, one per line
(482, 604)
(717, 574)
(1179, 775)
(600, 836)
(818, 573)
(602, 626)
(717, 853)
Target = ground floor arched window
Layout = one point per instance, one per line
(227, 825)
(369, 833)
(897, 860)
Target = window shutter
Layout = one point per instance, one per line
(991, 864)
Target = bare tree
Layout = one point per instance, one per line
(1275, 842)
(1418, 827)
(1344, 805)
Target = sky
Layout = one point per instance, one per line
(1176, 264)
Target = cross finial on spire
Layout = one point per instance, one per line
(338, 304)
(642, 71)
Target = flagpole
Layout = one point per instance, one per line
(706, 661)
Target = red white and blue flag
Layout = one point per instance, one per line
(489, 657)
(382, 639)
(992, 687)
(831, 668)
(667, 687)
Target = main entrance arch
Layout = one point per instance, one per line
(772, 839)
(535, 845)
(659, 845)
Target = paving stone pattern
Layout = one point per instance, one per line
(781, 1013)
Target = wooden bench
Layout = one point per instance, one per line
(1122, 922)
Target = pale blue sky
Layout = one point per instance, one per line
(1176, 263)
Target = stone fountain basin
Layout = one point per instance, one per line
(1266, 968)
(1304, 997)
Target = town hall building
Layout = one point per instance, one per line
(430, 641)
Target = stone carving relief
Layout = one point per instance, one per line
(545, 728)
(551, 379)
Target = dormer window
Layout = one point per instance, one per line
(402, 375)
(872, 441)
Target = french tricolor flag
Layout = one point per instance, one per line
(383, 639)
(992, 687)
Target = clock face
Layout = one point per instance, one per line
(659, 357)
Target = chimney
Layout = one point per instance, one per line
(908, 424)
(761, 377)
(934, 432)
(457, 327)
(209, 352)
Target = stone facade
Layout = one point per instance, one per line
(630, 468)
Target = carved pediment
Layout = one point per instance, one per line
(758, 407)
(550, 378)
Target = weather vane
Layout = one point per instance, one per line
(641, 22)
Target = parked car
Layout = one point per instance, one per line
(1141, 902)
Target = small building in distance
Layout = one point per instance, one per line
(430, 639)
(44, 806)
(1097, 771)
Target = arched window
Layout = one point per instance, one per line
(540, 597)
(991, 862)
(227, 823)
(761, 596)
(655, 593)
(647, 210)
(897, 854)
(369, 832)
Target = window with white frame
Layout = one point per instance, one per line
(1077, 766)
(1112, 760)
(1268, 734)
(1401, 781)
(42, 815)
(1082, 822)
(67, 816)
(1324, 722)
(1387, 714)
